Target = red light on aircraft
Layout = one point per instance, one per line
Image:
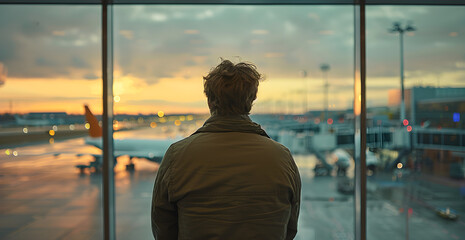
(330, 121)
(409, 128)
(405, 122)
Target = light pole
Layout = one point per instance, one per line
(396, 27)
(325, 68)
(305, 102)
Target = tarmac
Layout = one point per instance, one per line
(43, 196)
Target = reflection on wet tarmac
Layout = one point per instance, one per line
(43, 196)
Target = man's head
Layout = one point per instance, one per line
(231, 88)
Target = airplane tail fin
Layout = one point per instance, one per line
(94, 130)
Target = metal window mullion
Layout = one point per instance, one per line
(108, 162)
(360, 136)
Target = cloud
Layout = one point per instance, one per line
(44, 62)
(460, 64)
(59, 33)
(260, 32)
(314, 16)
(326, 32)
(158, 17)
(208, 13)
(78, 62)
(3, 74)
(127, 34)
(91, 76)
(52, 42)
(167, 41)
(191, 31)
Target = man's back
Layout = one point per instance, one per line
(228, 181)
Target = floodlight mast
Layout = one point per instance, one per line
(325, 68)
(305, 100)
(397, 27)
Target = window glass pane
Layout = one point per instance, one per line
(49, 68)
(415, 184)
(306, 55)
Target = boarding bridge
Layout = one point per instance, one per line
(377, 137)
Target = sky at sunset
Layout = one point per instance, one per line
(50, 56)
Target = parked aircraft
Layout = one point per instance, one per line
(342, 160)
(150, 149)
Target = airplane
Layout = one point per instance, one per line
(343, 161)
(150, 149)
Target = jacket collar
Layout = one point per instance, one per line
(231, 123)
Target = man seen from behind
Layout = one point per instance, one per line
(228, 180)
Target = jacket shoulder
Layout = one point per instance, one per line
(178, 147)
(278, 145)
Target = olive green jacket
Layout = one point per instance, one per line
(228, 180)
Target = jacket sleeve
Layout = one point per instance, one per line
(292, 225)
(164, 212)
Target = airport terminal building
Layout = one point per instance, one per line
(94, 92)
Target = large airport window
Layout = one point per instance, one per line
(49, 173)
(306, 54)
(415, 189)
(51, 110)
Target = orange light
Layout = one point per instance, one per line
(153, 124)
(405, 122)
(409, 128)
(330, 121)
(161, 114)
(177, 122)
(51, 133)
(399, 165)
